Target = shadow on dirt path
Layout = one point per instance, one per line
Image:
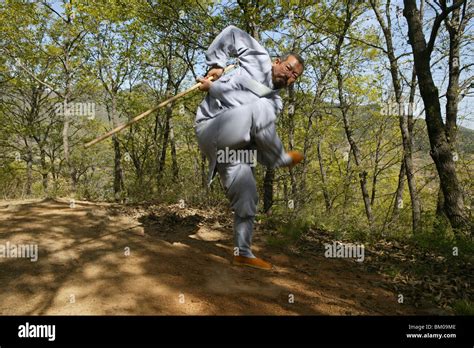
(108, 259)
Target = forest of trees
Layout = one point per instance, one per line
(377, 113)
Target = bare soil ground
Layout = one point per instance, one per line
(107, 259)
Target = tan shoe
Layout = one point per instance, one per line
(252, 262)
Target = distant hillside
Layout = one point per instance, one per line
(465, 138)
(465, 135)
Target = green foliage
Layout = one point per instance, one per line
(441, 238)
(463, 307)
(289, 232)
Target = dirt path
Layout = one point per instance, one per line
(178, 264)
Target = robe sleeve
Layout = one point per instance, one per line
(253, 58)
(233, 42)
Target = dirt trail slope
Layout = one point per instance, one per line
(108, 259)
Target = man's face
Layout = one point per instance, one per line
(286, 72)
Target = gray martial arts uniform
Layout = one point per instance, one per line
(240, 112)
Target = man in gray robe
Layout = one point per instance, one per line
(239, 114)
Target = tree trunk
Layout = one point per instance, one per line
(66, 132)
(118, 172)
(347, 183)
(44, 170)
(399, 191)
(355, 149)
(344, 107)
(29, 172)
(441, 151)
(440, 203)
(268, 190)
(164, 146)
(406, 127)
(376, 167)
(455, 29)
(291, 137)
(356, 153)
(174, 158)
(322, 170)
(306, 147)
(407, 167)
(203, 172)
(118, 183)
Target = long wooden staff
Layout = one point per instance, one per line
(146, 113)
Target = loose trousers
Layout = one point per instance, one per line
(251, 127)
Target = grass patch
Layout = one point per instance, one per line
(445, 245)
(289, 232)
(463, 307)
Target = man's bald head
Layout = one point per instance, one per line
(287, 69)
